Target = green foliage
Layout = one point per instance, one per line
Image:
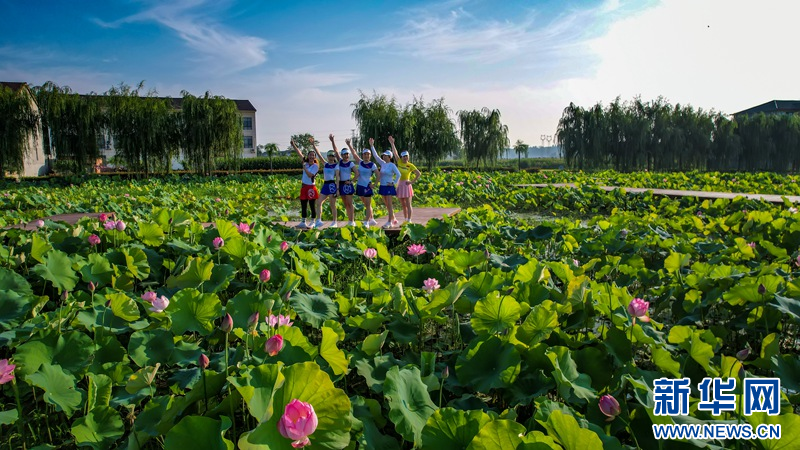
(19, 126)
(484, 136)
(211, 128)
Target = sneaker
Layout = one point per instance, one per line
(372, 222)
(334, 224)
(387, 225)
(351, 224)
(311, 225)
(366, 223)
(302, 224)
(319, 223)
(394, 222)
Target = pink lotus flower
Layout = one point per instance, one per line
(370, 253)
(416, 249)
(610, 407)
(284, 246)
(203, 361)
(103, 217)
(253, 321)
(752, 245)
(149, 296)
(279, 321)
(217, 199)
(159, 304)
(298, 422)
(218, 242)
(274, 345)
(430, 285)
(264, 276)
(227, 324)
(638, 309)
(576, 262)
(93, 240)
(793, 210)
(127, 195)
(110, 225)
(7, 371)
(39, 223)
(243, 228)
(120, 225)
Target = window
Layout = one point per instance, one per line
(247, 123)
(248, 141)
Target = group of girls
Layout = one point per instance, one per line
(339, 172)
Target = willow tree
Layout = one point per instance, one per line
(428, 131)
(71, 125)
(483, 134)
(19, 126)
(145, 129)
(377, 117)
(211, 128)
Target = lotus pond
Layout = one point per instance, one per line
(481, 331)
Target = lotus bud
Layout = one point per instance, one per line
(264, 276)
(762, 289)
(742, 355)
(203, 361)
(274, 345)
(92, 286)
(227, 324)
(609, 406)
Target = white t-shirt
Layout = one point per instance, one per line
(313, 169)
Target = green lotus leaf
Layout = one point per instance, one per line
(374, 371)
(59, 388)
(790, 430)
(9, 416)
(566, 430)
(192, 311)
(487, 364)
(98, 270)
(458, 260)
(57, 269)
(480, 285)
(450, 428)
(13, 306)
(257, 387)
(308, 383)
(150, 234)
(368, 420)
(13, 283)
(123, 306)
(335, 357)
(572, 385)
(148, 347)
(237, 248)
(296, 347)
(246, 303)
(221, 276)
(410, 405)
(449, 295)
(98, 392)
(540, 323)
(498, 435)
(71, 351)
(196, 272)
(99, 429)
(308, 266)
(199, 432)
(133, 259)
(790, 307)
(314, 309)
(142, 379)
(227, 230)
(39, 247)
(495, 314)
(373, 343)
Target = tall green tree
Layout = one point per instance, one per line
(303, 141)
(429, 131)
(520, 148)
(211, 128)
(483, 134)
(72, 124)
(19, 126)
(377, 117)
(144, 128)
(271, 150)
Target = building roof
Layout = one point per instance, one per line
(773, 107)
(13, 85)
(241, 105)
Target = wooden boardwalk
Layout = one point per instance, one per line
(71, 218)
(421, 216)
(676, 193)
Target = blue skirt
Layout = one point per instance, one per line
(387, 190)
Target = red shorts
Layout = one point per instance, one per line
(309, 192)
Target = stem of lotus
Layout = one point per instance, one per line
(205, 392)
(19, 414)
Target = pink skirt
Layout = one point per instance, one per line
(404, 190)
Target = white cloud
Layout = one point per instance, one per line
(228, 50)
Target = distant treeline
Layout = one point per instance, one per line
(656, 135)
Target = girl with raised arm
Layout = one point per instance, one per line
(389, 176)
(308, 192)
(366, 169)
(330, 173)
(346, 188)
(404, 190)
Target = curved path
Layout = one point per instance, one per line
(772, 198)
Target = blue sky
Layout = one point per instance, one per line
(303, 63)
